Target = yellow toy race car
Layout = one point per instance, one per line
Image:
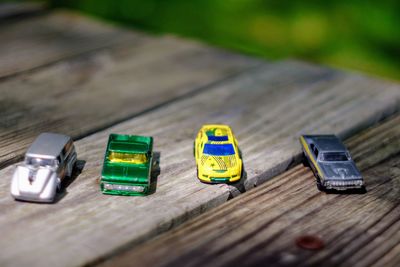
(217, 155)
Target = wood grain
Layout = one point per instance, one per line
(268, 107)
(89, 92)
(35, 41)
(259, 228)
(10, 10)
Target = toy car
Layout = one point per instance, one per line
(127, 165)
(217, 155)
(331, 163)
(49, 159)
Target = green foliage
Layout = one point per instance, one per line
(355, 34)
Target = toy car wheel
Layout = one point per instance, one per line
(319, 184)
(304, 160)
(58, 188)
(320, 187)
(71, 169)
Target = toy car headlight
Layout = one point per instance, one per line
(359, 183)
(208, 168)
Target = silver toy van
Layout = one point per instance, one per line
(50, 159)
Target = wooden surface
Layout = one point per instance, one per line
(167, 88)
(44, 39)
(83, 94)
(13, 10)
(259, 228)
(260, 105)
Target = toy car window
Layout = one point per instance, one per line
(315, 150)
(334, 156)
(68, 147)
(134, 158)
(218, 150)
(217, 138)
(40, 162)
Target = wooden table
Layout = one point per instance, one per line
(63, 72)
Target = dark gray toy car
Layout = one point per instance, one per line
(331, 163)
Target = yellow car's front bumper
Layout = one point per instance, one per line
(215, 178)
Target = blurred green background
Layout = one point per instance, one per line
(351, 34)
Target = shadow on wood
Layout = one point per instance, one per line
(155, 172)
(79, 165)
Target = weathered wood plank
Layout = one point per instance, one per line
(10, 10)
(263, 108)
(260, 227)
(90, 92)
(40, 40)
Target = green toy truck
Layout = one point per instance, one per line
(127, 165)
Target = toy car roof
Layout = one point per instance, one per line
(217, 132)
(130, 143)
(326, 143)
(48, 145)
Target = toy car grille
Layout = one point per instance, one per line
(133, 188)
(344, 183)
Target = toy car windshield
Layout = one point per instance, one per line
(218, 150)
(334, 156)
(134, 158)
(40, 162)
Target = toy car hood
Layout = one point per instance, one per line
(32, 182)
(133, 174)
(340, 171)
(219, 163)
